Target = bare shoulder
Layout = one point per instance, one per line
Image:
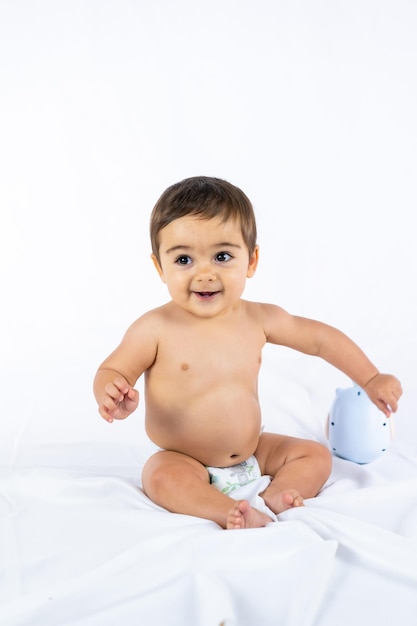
(294, 331)
(146, 331)
(149, 322)
(283, 328)
(266, 314)
(139, 346)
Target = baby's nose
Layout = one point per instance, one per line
(205, 272)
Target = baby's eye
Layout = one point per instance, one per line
(223, 256)
(183, 260)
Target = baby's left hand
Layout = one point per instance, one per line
(384, 390)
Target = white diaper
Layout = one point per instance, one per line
(226, 479)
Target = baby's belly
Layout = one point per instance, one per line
(220, 428)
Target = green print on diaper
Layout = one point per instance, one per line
(234, 476)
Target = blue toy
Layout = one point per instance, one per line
(358, 430)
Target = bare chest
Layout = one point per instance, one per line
(214, 353)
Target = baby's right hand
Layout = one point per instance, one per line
(119, 400)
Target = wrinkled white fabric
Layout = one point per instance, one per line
(83, 549)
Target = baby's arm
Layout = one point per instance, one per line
(115, 378)
(318, 339)
(115, 397)
(339, 350)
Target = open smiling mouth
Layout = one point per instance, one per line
(206, 295)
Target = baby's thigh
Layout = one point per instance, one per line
(276, 450)
(166, 467)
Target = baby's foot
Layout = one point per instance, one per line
(282, 500)
(242, 515)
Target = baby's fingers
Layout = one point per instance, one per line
(385, 390)
(393, 404)
(105, 413)
(384, 407)
(394, 395)
(111, 401)
(116, 392)
(119, 387)
(132, 399)
(388, 403)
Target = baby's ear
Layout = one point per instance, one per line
(253, 262)
(158, 267)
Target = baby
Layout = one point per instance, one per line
(201, 354)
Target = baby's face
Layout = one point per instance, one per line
(204, 264)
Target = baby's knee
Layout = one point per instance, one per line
(164, 470)
(322, 457)
(158, 471)
(153, 474)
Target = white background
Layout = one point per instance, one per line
(309, 106)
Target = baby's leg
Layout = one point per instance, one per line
(180, 484)
(299, 468)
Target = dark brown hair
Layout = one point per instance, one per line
(207, 198)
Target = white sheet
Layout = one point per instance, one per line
(85, 547)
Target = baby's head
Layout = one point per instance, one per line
(207, 198)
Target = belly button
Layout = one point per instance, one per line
(184, 367)
(233, 456)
